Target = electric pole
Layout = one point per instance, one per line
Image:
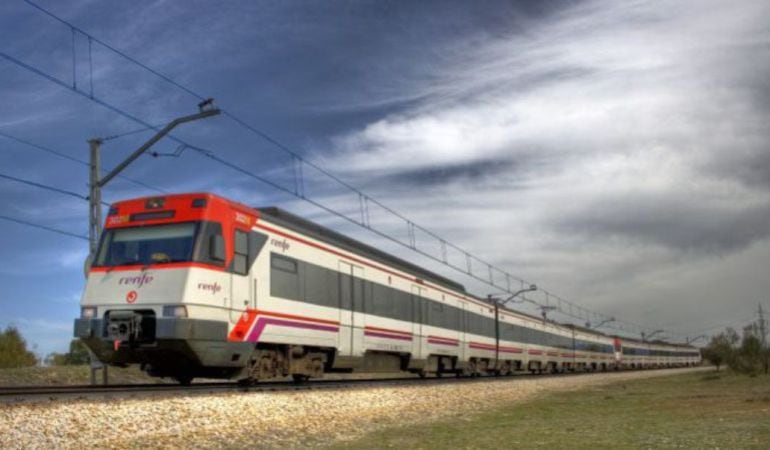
(763, 336)
(96, 183)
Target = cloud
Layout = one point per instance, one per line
(591, 150)
(616, 102)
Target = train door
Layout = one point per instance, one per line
(617, 346)
(351, 291)
(463, 330)
(417, 320)
(241, 296)
(574, 346)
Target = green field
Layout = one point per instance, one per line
(698, 410)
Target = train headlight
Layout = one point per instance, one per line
(88, 312)
(175, 311)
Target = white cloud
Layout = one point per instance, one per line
(605, 129)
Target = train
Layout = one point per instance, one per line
(198, 286)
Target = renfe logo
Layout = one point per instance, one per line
(211, 287)
(283, 245)
(138, 281)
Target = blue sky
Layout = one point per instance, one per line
(613, 152)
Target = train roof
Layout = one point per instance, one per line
(288, 220)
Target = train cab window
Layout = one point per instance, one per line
(241, 253)
(204, 251)
(156, 244)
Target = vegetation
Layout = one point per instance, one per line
(694, 410)
(73, 374)
(78, 354)
(13, 350)
(746, 354)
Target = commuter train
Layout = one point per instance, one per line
(194, 285)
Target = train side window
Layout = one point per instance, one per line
(241, 254)
(382, 302)
(402, 305)
(285, 277)
(316, 289)
(436, 315)
(283, 263)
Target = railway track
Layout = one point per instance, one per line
(20, 394)
(36, 394)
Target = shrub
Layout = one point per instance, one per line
(77, 355)
(13, 350)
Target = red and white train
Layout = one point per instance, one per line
(194, 285)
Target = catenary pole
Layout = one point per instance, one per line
(763, 338)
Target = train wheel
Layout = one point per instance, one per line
(184, 380)
(246, 382)
(299, 378)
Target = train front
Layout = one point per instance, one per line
(158, 287)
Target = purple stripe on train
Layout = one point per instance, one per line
(442, 342)
(262, 322)
(387, 336)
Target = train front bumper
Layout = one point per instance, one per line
(175, 345)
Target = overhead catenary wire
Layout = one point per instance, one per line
(42, 227)
(300, 193)
(45, 186)
(136, 131)
(723, 325)
(74, 160)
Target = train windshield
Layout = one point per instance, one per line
(155, 244)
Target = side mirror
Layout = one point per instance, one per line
(87, 264)
(217, 248)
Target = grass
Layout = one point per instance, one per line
(65, 375)
(698, 410)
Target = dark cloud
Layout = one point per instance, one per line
(476, 171)
(680, 224)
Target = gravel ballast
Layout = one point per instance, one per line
(268, 420)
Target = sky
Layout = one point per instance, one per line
(614, 153)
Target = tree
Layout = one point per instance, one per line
(13, 350)
(721, 348)
(749, 356)
(78, 354)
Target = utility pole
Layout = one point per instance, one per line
(593, 327)
(94, 197)
(645, 337)
(763, 337)
(497, 303)
(96, 183)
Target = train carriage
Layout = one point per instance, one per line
(194, 285)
